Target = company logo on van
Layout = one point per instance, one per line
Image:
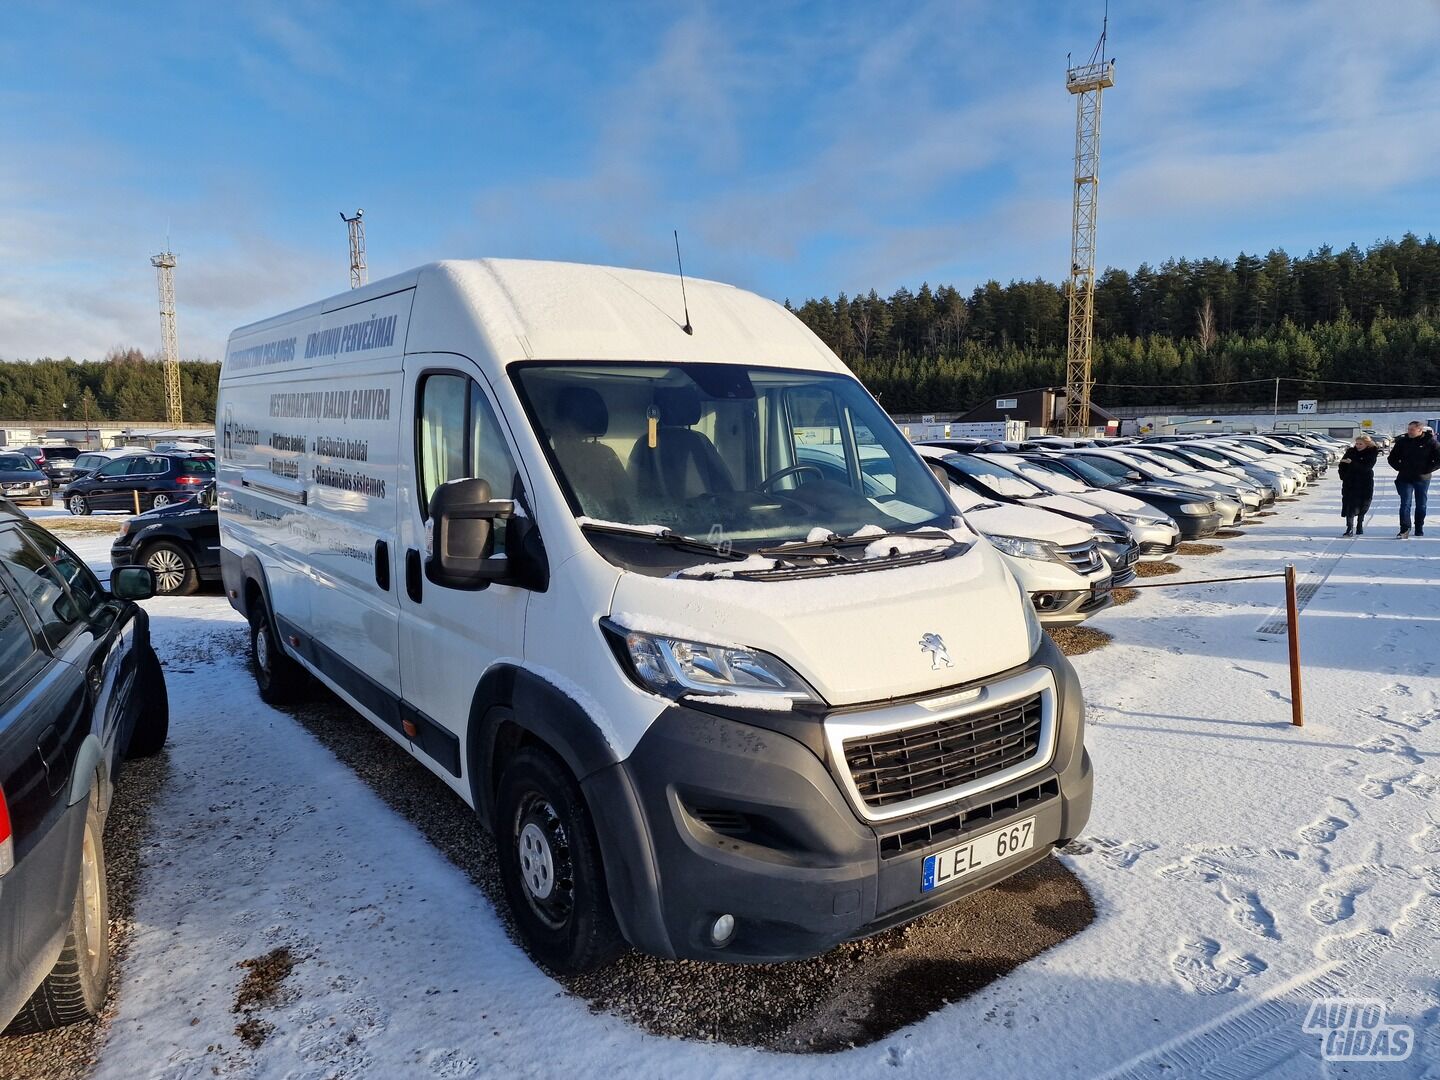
(934, 644)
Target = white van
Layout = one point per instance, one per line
(558, 541)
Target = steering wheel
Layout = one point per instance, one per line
(789, 470)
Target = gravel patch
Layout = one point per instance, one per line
(852, 995)
(1077, 640)
(69, 1053)
(1200, 549)
(1229, 534)
(74, 525)
(1124, 596)
(1155, 569)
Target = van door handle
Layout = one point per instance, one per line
(412, 575)
(382, 565)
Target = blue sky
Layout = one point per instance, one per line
(801, 149)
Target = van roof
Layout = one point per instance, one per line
(517, 309)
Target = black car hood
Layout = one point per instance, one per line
(174, 510)
(17, 476)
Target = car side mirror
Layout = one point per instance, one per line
(1134, 477)
(462, 516)
(940, 474)
(132, 583)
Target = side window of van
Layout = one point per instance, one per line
(459, 436)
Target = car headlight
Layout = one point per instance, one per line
(1022, 548)
(1196, 508)
(1141, 520)
(677, 667)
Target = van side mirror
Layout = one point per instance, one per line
(462, 514)
(132, 583)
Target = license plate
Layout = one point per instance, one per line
(948, 866)
(1103, 589)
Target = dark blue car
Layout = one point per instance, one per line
(80, 689)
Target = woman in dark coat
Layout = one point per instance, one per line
(1357, 483)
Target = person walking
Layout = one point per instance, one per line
(1414, 456)
(1357, 483)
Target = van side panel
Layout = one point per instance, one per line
(307, 479)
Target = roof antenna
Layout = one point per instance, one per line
(687, 327)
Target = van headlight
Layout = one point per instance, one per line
(678, 667)
(1023, 548)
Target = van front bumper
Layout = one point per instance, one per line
(722, 815)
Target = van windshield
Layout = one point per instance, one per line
(728, 453)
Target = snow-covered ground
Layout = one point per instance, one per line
(1241, 867)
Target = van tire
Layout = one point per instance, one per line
(152, 725)
(75, 988)
(281, 680)
(565, 923)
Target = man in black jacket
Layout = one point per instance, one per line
(1414, 456)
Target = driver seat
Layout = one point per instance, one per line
(683, 463)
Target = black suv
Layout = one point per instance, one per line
(180, 543)
(58, 463)
(139, 482)
(80, 689)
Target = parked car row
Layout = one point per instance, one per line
(1088, 510)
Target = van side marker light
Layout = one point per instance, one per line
(411, 731)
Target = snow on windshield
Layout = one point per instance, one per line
(1054, 481)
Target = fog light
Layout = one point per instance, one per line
(1044, 601)
(722, 929)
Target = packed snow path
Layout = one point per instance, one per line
(1242, 868)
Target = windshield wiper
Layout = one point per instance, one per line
(834, 547)
(668, 537)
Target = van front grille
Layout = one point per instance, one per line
(911, 763)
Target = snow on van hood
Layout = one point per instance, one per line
(853, 637)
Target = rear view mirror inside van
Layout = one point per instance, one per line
(461, 517)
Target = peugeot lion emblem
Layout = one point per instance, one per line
(934, 644)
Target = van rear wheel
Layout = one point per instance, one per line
(551, 868)
(280, 679)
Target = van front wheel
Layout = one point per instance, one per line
(550, 865)
(280, 679)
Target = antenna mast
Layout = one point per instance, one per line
(1087, 82)
(164, 264)
(359, 272)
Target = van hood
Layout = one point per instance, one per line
(853, 637)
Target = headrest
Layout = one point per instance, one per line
(679, 406)
(581, 411)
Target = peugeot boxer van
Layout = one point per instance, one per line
(554, 530)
